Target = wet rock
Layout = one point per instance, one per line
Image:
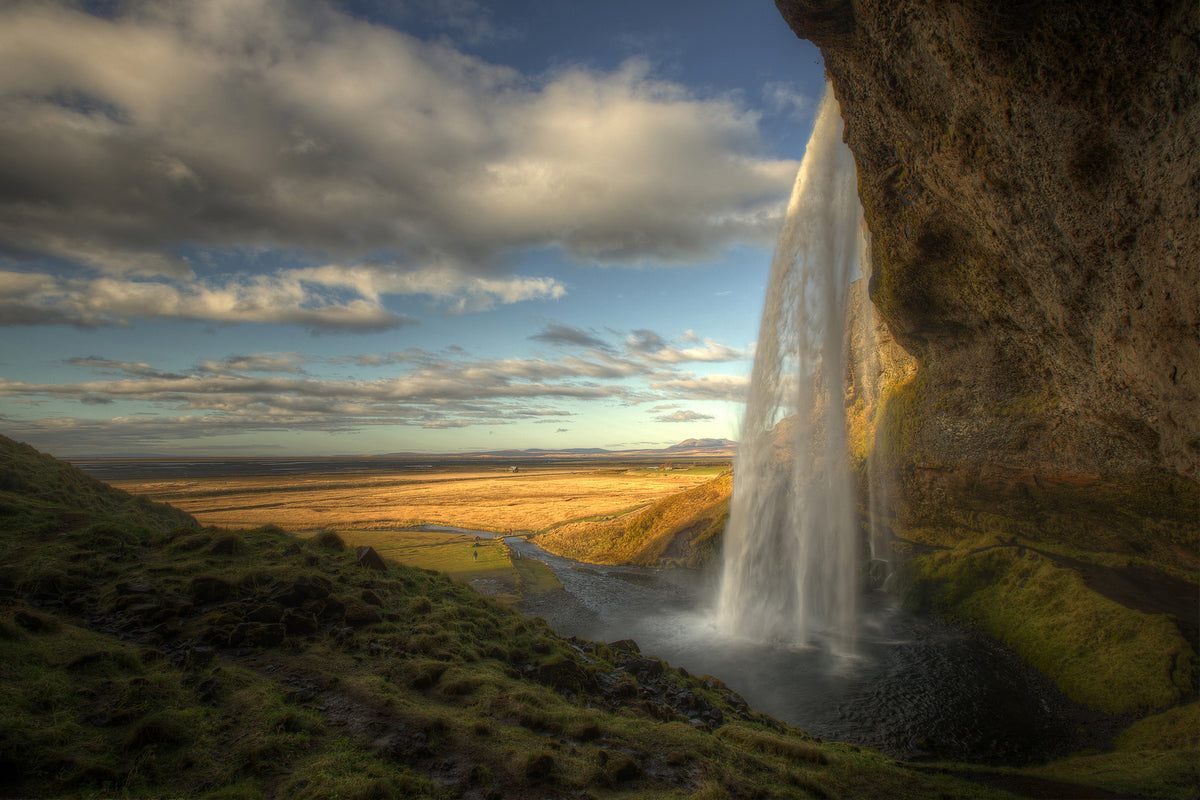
(736, 700)
(236, 636)
(564, 674)
(217, 634)
(642, 667)
(617, 686)
(148, 611)
(625, 646)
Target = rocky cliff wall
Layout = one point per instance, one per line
(1030, 174)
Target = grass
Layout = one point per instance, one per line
(218, 664)
(1100, 652)
(683, 528)
(1162, 750)
(485, 564)
(149, 659)
(477, 499)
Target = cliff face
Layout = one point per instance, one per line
(1030, 174)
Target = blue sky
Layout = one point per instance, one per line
(262, 227)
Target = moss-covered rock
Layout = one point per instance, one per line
(1101, 653)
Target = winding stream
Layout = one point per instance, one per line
(916, 689)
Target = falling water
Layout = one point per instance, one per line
(791, 545)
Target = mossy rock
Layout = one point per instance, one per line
(1100, 653)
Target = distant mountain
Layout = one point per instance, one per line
(693, 448)
(699, 444)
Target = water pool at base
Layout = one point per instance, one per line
(914, 688)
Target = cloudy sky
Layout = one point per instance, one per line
(265, 227)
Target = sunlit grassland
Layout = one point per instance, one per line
(491, 499)
(681, 529)
(487, 565)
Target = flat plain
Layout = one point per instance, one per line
(486, 498)
(382, 505)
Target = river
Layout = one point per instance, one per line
(915, 689)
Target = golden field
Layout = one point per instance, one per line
(476, 498)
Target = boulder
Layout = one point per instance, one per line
(368, 558)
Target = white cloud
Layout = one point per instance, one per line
(289, 124)
(707, 387)
(652, 347)
(313, 298)
(684, 416)
(461, 292)
(784, 98)
(258, 362)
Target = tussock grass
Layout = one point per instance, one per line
(793, 749)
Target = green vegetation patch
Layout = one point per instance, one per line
(487, 564)
(1160, 751)
(1176, 729)
(1099, 652)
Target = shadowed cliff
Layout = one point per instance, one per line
(1030, 176)
(1031, 179)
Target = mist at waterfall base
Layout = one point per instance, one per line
(916, 689)
(786, 622)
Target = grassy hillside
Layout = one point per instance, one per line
(144, 657)
(683, 529)
(41, 495)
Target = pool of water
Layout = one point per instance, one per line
(913, 687)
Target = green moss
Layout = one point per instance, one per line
(1099, 652)
(1176, 729)
(897, 418)
(1172, 774)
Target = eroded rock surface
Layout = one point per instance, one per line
(1030, 174)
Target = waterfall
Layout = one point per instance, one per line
(791, 545)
